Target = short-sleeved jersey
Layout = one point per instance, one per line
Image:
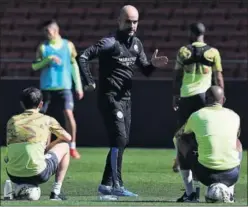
(197, 75)
(27, 136)
(216, 130)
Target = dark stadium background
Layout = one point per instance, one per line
(163, 25)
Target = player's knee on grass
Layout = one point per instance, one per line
(60, 150)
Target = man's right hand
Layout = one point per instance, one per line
(56, 59)
(175, 103)
(80, 94)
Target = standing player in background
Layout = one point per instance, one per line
(56, 59)
(119, 54)
(196, 64)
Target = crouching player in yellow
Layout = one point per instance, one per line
(214, 155)
(30, 160)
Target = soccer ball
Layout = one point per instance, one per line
(27, 192)
(218, 192)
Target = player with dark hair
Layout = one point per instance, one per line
(119, 54)
(197, 66)
(216, 131)
(30, 158)
(55, 58)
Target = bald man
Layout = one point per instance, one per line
(216, 131)
(119, 54)
(55, 59)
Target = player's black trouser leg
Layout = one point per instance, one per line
(187, 149)
(117, 119)
(189, 105)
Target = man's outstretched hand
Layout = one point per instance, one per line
(159, 61)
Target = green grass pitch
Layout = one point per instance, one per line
(145, 171)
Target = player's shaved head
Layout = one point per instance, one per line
(196, 32)
(197, 29)
(128, 11)
(215, 94)
(128, 20)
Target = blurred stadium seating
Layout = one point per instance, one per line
(163, 25)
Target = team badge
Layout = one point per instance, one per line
(119, 114)
(135, 47)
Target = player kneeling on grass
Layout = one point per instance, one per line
(215, 154)
(31, 158)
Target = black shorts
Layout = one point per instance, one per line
(51, 168)
(117, 119)
(189, 105)
(209, 176)
(60, 99)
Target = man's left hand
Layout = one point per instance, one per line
(80, 94)
(159, 61)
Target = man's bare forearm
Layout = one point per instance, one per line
(218, 79)
(76, 77)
